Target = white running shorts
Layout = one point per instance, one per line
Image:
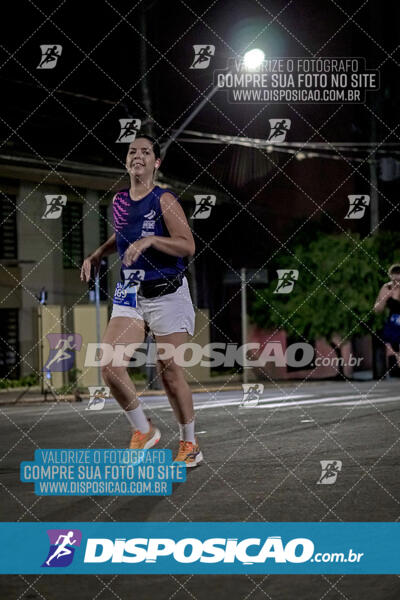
(166, 314)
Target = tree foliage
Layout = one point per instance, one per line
(339, 278)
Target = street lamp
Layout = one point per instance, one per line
(253, 59)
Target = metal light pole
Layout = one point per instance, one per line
(375, 19)
(252, 59)
(374, 198)
(97, 298)
(189, 118)
(41, 351)
(243, 297)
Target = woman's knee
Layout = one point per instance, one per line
(171, 373)
(113, 376)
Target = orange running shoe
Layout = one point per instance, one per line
(189, 453)
(143, 441)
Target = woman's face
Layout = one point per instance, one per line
(395, 277)
(141, 160)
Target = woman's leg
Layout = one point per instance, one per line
(180, 398)
(127, 330)
(122, 330)
(175, 384)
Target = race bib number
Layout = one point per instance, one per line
(126, 291)
(125, 295)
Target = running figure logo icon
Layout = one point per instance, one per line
(62, 351)
(251, 394)
(279, 129)
(202, 56)
(204, 204)
(357, 206)
(50, 55)
(54, 206)
(97, 397)
(286, 280)
(129, 129)
(329, 471)
(62, 547)
(132, 277)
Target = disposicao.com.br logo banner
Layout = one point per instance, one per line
(212, 548)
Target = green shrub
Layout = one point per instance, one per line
(27, 381)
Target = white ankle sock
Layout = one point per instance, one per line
(186, 432)
(138, 419)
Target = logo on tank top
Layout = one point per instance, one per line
(149, 224)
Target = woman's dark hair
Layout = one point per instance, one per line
(153, 141)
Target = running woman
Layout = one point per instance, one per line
(389, 297)
(152, 236)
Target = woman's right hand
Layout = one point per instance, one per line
(93, 260)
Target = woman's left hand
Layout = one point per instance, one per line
(133, 251)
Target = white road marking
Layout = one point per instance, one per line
(268, 403)
(284, 402)
(367, 402)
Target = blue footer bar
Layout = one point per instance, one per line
(211, 548)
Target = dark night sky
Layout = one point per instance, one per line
(58, 124)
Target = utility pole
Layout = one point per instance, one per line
(373, 174)
(98, 339)
(146, 99)
(243, 296)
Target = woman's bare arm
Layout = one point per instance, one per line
(181, 242)
(109, 247)
(384, 293)
(94, 259)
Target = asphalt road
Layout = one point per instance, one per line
(262, 463)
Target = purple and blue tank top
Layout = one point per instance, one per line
(134, 219)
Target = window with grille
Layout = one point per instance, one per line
(72, 231)
(9, 346)
(8, 227)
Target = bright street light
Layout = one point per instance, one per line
(253, 58)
